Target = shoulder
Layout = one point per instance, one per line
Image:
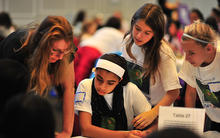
(187, 69)
(86, 82)
(166, 52)
(186, 65)
(84, 87)
(130, 85)
(18, 36)
(12, 42)
(134, 96)
(131, 88)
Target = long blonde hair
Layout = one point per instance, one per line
(38, 44)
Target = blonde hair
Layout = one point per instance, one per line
(200, 32)
(38, 44)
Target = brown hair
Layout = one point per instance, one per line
(154, 18)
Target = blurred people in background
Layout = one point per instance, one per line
(98, 18)
(169, 10)
(168, 7)
(88, 29)
(78, 22)
(216, 14)
(124, 23)
(196, 14)
(211, 21)
(174, 31)
(6, 25)
(105, 40)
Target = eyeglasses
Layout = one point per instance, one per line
(59, 52)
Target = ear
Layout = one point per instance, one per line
(209, 48)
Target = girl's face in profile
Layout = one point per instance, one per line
(195, 53)
(141, 32)
(105, 81)
(58, 50)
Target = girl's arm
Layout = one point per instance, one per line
(190, 96)
(170, 81)
(146, 118)
(68, 104)
(153, 127)
(89, 130)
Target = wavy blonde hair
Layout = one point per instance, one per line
(38, 44)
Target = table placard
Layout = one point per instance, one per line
(190, 118)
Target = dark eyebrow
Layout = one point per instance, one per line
(57, 49)
(137, 25)
(111, 81)
(100, 77)
(140, 27)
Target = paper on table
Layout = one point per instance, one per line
(191, 118)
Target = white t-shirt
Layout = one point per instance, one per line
(166, 76)
(106, 40)
(206, 80)
(134, 101)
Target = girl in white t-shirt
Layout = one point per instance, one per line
(200, 70)
(151, 62)
(109, 102)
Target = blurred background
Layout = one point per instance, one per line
(25, 11)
